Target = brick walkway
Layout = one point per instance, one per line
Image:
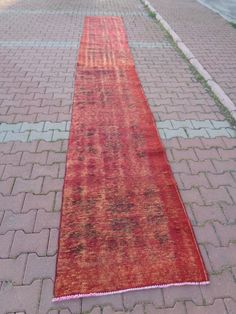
(210, 38)
(38, 49)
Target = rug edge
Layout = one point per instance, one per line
(77, 296)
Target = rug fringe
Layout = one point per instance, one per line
(77, 296)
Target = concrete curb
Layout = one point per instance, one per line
(216, 89)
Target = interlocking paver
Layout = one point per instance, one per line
(13, 269)
(30, 243)
(17, 221)
(17, 171)
(20, 298)
(178, 308)
(39, 268)
(221, 257)
(216, 308)
(39, 201)
(46, 219)
(27, 185)
(6, 243)
(154, 296)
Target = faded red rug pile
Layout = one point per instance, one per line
(123, 224)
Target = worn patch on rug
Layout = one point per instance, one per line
(123, 223)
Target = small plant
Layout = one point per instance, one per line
(152, 14)
(233, 24)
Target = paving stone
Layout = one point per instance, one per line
(143, 296)
(45, 170)
(6, 147)
(206, 234)
(232, 192)
(216, 308)
(178, 308)
(187, 154)
(53, 242)
(220, 132)
(58, 201)
(167, 124)
(13, 221)
(197, 133)
(37, 136)
(13, 159)
(56, 157)
(13, 269)
(23, 147)
(226, 233)
(60, 135)
(182, 293)
(229, 211)
(190, 181)
(224, 165)
(221, 286)
(52, 184)
(6, 243)
(74, 306)
(221, 179)
(6, 186)
(39, 268)
(22, 298)
(212, 196)
(12, 136)
(201, 166)
(39, 201)
(52, 146)
(204, 154)
(191, 196)
(34, 158)
(32, 126)
(13, 203)
(55, 126)
(17, 171)
(222, 257)
(114, 300)
(175, 133)
(205, 213)
(11, 127)
(97, 310)
(30, 186)
(230, 305)
(30, 243)
(46, 220)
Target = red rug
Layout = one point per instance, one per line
(123, 224)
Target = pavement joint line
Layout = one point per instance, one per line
(74, 44)
(213, 85)
(168, 129)
(72, 12)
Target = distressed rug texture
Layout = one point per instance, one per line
(123, 223)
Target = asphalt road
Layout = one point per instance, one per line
(226, 8)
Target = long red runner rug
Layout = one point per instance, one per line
(123, 224)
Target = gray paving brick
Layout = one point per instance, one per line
(6, 243)
(45, 170)
(164, 124)
(218, 132)
(230, 305)
(53, 242)
(216, 308)
(115, 300)
(175, 133)
(32, 186)
(13, 269)
(45, 136)
(145, 296)
(220, 124)
(182, 124)
(60, 135)
(178, 308)
(197, 133)
(221, 257)
(221, 286)
(74, 306)
(55, 126)
(39, 267)
(13, 221)
(14, 136)
(30, 243)
(205, 124)
(47, 220)
(10, 127)
(26, 126)
(22, 298)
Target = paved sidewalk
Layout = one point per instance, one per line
(211, 38)
(38, 50)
